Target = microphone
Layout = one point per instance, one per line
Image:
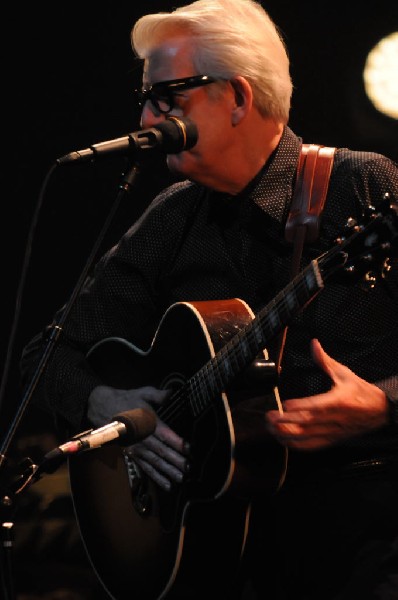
(126, 427)
(171, 137)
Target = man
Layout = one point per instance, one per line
(327, 530)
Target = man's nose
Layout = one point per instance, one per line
(149, 118)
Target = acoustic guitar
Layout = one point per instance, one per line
(146, 544)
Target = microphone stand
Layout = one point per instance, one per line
(27, 469)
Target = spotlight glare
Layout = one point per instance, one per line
(380, 75)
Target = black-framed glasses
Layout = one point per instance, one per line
(161, 94)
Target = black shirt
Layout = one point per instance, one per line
(196, 244)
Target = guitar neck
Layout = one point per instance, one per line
(242, 348)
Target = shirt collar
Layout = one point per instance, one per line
(274, 187)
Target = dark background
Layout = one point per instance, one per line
(67, 76)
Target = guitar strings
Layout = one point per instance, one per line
(198, 391)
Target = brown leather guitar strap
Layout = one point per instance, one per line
(302, 225)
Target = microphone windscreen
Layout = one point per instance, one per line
(178, 134)
(139, 423)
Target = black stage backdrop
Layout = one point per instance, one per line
(68, 72)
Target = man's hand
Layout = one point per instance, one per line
(162, 455)
(351, 407)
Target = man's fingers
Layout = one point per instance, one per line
(163, 451)
(162, 482)
(143, 454)
(153, 395)
(168, 436)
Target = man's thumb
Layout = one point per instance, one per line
(322, 359)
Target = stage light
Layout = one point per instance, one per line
(380, 75)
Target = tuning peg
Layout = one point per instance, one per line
(369, 281)
(386, 267)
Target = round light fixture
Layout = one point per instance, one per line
(380, 75)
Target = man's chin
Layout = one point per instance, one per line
(184, 165)
(178, 164)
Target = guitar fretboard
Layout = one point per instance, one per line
(242, 348)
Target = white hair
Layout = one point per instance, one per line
(231, 37)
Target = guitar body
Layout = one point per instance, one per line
(146, 544)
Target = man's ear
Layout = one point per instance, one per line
(243, 99)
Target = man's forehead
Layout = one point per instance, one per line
(170, 55)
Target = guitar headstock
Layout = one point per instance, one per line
(365, 247)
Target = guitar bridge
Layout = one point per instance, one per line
(141, 499)
(133, 470)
